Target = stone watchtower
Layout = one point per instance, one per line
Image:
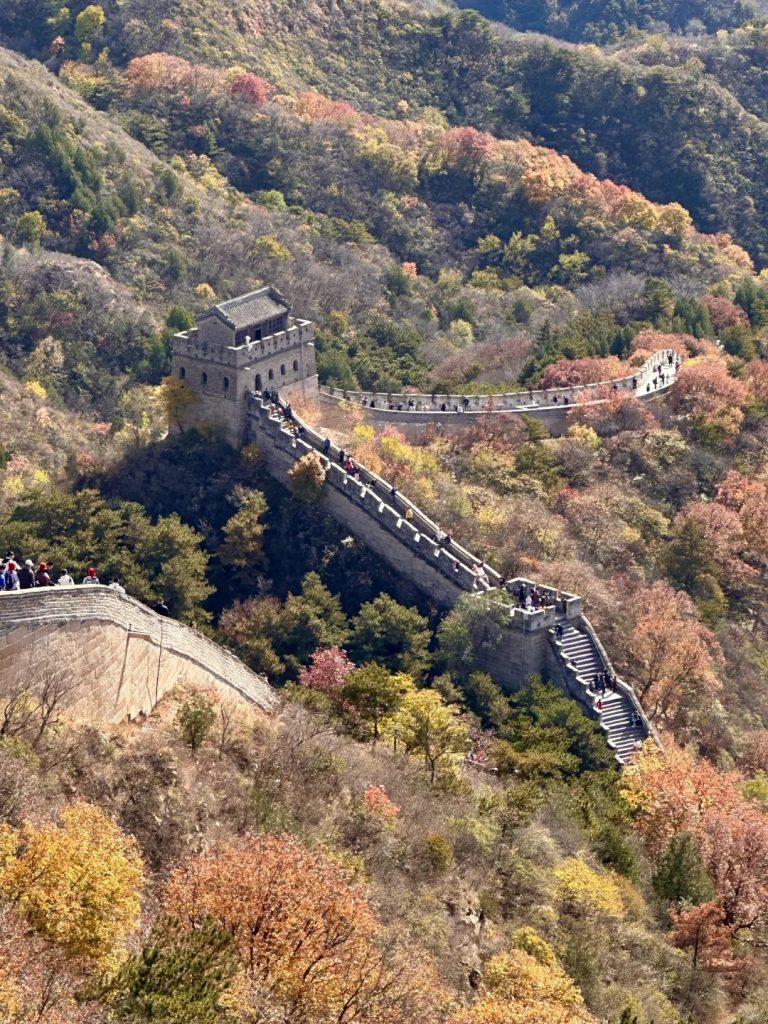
(247, 344)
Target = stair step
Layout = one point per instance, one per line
(616, 713)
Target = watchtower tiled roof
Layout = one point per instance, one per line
(253, 308)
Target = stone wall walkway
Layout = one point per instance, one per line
(654, 378)
(386, 509)
(111, 654)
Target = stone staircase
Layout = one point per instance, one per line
(619, 716)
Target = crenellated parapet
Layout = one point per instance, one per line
(413, 411)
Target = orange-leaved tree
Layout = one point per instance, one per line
(38, 983)
(308, 941)
(618, 411)
(711, 399)
(702, 930)
(673, 657)
(590, 370)
(674, 793)
(748, 498)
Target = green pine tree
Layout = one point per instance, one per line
(177, 977)
(680, 875)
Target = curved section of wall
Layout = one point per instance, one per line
(551, 406)
(103, 655)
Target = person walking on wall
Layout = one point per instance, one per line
(42, 579)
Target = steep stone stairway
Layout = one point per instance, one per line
(619, 714)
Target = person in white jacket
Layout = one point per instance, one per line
(65, 580)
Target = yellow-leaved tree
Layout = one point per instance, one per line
(527, 986)
(585, 891)
(76, 883)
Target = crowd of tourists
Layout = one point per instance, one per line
(25, 574)
(530, 597)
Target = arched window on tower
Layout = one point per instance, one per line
(182, 372)
(295, 365)
(271, 374)
(257, 382)
(282, 369)
(225, 383)
(204, 379)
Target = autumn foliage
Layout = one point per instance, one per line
(308, 941)
(675, 793)
(527, 989)
(711, 398)
(167, 73)
(77, 883)
(571, 372)
(674, 657)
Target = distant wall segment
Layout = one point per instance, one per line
(109, 655)
(415, 411)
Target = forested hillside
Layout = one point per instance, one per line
(673, 133)
(599, 22)
(457, 206)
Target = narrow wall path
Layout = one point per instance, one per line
(413, 410)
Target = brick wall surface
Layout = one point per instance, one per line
(110, 655)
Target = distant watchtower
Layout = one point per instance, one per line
(250, 343)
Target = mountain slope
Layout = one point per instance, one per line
(672, 133)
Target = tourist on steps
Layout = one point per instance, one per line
(65, 580)
(90, 576)
(117, 585)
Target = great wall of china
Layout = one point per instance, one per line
(105, 656)
(413, 411)
(556, 641)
